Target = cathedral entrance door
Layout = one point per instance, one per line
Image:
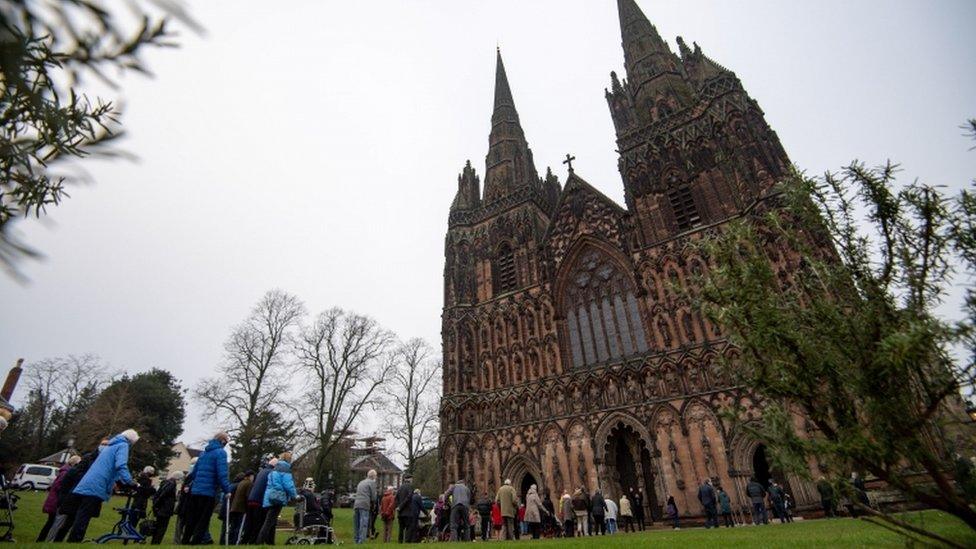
(527, 481)
(764, 472)
(628, 462)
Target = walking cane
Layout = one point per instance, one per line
(240, 531)
(227, 522)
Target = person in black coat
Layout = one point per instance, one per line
(67, 500)
(404, 497)
(598, 508)
(143, 492)
(164, 505)
(708, 499)
(638, 503)
(416, 510)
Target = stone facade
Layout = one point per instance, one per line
(572, 353)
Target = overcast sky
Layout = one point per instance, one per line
(315, 147)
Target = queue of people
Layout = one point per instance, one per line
(251, 504)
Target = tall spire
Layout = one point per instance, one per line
(509, 163)
(653, 71)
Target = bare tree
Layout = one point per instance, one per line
(252, 383)
(347, 357)
(63, 388)
(412, 394)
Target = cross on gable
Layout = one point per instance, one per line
(569, 161)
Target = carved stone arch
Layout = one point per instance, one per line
(610, 422)
(520, 465)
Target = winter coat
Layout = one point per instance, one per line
(144, 491)
(706, 495)
(566, 508)
(755, 491)
(638, 506)
(164, 502)
(388, 505)
(548, 506)
(533, 507)
(404, 497)
(281, 486)
(724, 502)
(599, 505)
(611, 510)
(238, 501)
(483, 506)
(259, 486)
(508, 500)
(672, 510)
(111, 466)
(416, 506)
(209, 475)
(365, 494)
(51, 501)
(579, 501)
(496, 515)
(775, 493)
(625, 510)
(826, 490)
(461, 495)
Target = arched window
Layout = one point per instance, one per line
(601, 312)
(503, 268)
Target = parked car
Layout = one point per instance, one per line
(346, 500)
(32, 476)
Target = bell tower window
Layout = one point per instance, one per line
(683, 205)
(504, 270)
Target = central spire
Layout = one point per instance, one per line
(508, 166)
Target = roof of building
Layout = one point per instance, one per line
(377, 461)
(60, 457)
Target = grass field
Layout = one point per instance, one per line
(813, 533)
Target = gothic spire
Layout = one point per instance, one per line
(653, 70)
(508, 166)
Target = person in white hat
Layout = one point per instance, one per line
(111, 466)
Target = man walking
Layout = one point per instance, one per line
(706, 495)
(508, 502)
(404, 496)
(210, 481)
(484, 513)
(826, 492)
(366, 496)
(460, 505)
(757, 494)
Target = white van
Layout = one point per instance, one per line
(31, 476)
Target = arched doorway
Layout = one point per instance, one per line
(628, 463)
(764, 471)
(527, 481)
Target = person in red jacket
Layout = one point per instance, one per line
(388, 512)
(496, 519)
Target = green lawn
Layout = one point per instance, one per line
(813, 533)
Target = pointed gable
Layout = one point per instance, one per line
(582, 211)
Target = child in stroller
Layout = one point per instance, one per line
(313, 517)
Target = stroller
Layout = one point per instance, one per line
(125, 529)
(313, 520)
(8, 504)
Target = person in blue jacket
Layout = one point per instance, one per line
(111, 466)
(280, 491)
(210, 481)
(256, 513)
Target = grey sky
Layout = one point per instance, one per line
(315, 146)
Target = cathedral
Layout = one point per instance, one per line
(572, 353)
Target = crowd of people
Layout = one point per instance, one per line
(251, 503)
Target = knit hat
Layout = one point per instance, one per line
(131, 435)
